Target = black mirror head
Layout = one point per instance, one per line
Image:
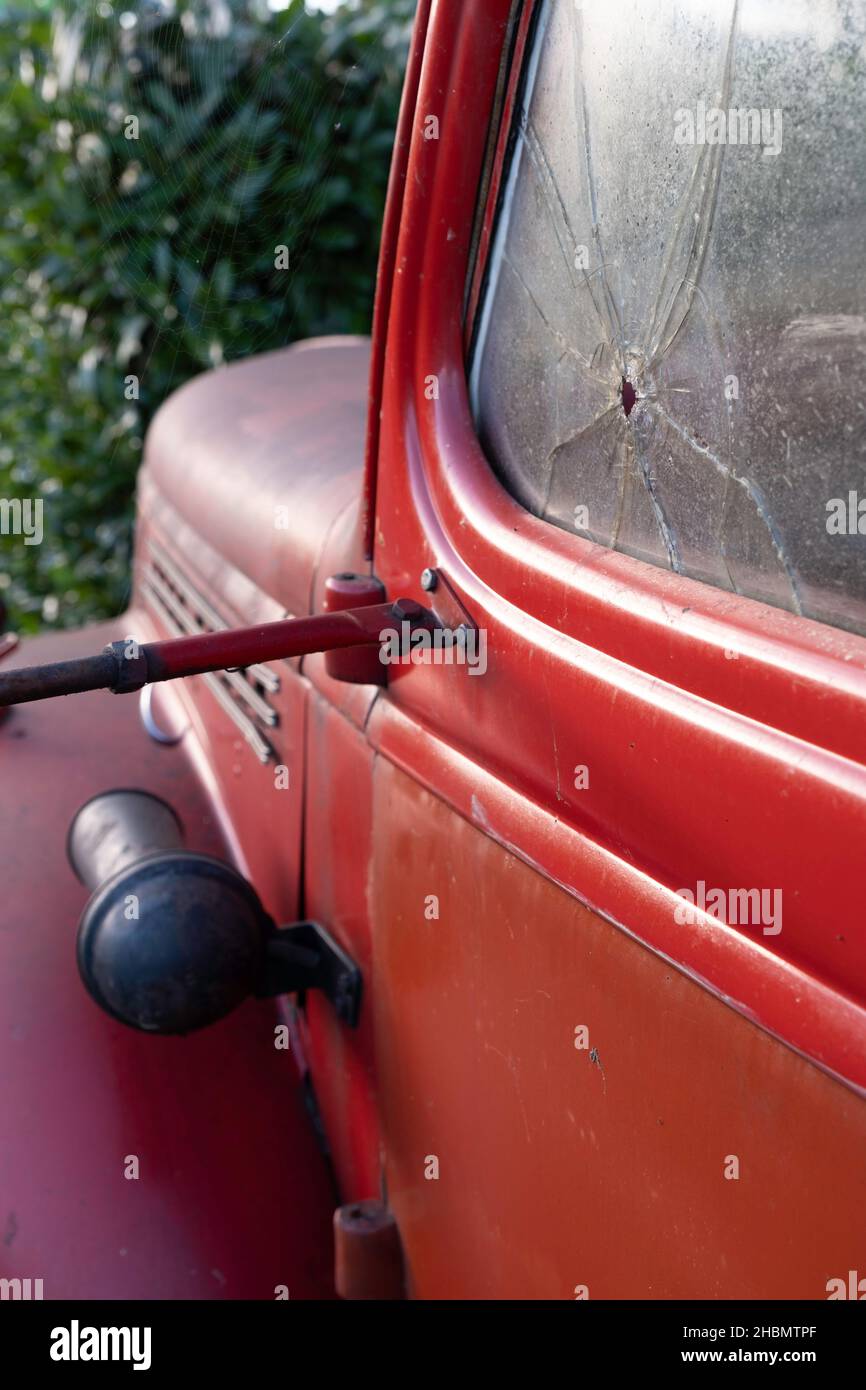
(172, 943)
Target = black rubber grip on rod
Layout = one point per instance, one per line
(58, 678)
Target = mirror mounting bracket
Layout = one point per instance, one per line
(305, 956)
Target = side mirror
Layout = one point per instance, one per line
(171, 940)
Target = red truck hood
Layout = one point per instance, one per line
(259, 459)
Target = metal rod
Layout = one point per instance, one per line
(59, 678)
(212, 651)
(246, 646)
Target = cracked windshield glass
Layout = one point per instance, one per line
(671, 346)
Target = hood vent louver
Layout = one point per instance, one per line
(182, 610)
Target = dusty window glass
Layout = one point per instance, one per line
(672, 342)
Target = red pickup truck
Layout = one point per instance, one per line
(466, 820)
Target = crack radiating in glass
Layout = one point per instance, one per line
(568, 349)
(616, 334)
(633, 323)
(559, 217)
(697, 213)
(584, 429)
(666, 530)
(754, 494)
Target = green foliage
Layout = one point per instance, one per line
(154, 257)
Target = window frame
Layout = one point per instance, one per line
(494, 194)
(751, 702)
(620, 603)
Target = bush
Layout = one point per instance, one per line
(151, 164)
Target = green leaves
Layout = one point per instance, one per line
(151, 257)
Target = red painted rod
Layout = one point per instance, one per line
(124, 667)
(249, 646)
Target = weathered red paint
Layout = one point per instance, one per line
(233, 1197)
(339, 836)
(369, 1259)
(601, 1167)
(385, 277)
(347, 634)
(192, 656)
(358, 665)
(725, 741)
(258, 459)
(703, 766)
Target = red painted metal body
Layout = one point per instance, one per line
(726, 743)
(339, 631)
(435, 827)
(707, 766)
(232, 1198)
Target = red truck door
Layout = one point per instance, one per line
(617, 946)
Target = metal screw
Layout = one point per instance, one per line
(429, 580)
